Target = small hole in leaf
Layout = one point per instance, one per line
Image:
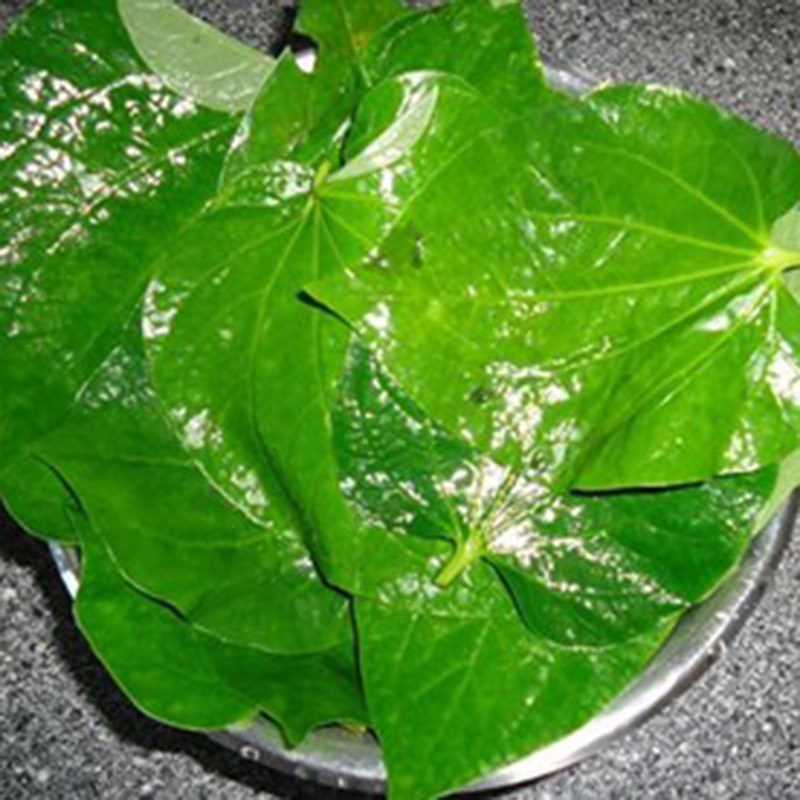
(480, 396)
(418, 258)
(537, 462)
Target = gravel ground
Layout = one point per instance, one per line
(66, 732)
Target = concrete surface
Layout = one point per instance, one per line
(66, 732)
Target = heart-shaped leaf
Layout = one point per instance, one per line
(184, 677)
(596, 287)
(194, 59)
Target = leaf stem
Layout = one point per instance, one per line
(322, 174)
(780, 260)
(466, 553)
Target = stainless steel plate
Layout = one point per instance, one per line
(338, 758)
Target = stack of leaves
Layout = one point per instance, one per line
(405, 392)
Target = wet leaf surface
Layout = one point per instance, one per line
(505, 379)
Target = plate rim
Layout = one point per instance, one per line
(673, 670)
(701, 639)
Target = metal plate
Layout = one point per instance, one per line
(339, 758)
(336, 757)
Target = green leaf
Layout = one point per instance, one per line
(174, 536)
(582, 570)
(166, 672)
(143, 162)
(36, 496)
(266, 214)
(194, 59)
(299, 116)
(101, 162)
(508, 294)
(598, 582)
(595, 287)
(486, 43)
(226, 300)
(478, 691)
(184, 677)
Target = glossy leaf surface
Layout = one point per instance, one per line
(396, 335)
(167, 526)
(429, 658)
(457, 687)
(486, 43)
(184, 677)
(100, 162)
(174, 536)
(194, 59)
(598, 582)
(82, 279)
(299, 116)
(226, 299)
(288, 217)
(582, 570)
(596, 288)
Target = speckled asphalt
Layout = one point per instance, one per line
(67, 733)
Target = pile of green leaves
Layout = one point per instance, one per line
(408, 393)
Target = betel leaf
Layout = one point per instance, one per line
(229, 272)
(237, 313)
(176, 538)
(598, 581)
(457, 687)
(582, 570)
(305, 116)
(91, 138)
(508, 293)
(36, 496)
(486, 43)
(299, 116)
(95, 276)
(194, 59)
(99, 162)
(597, 289)
(224, 305)
(285, 218)
(184, 677)
(148, 498)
